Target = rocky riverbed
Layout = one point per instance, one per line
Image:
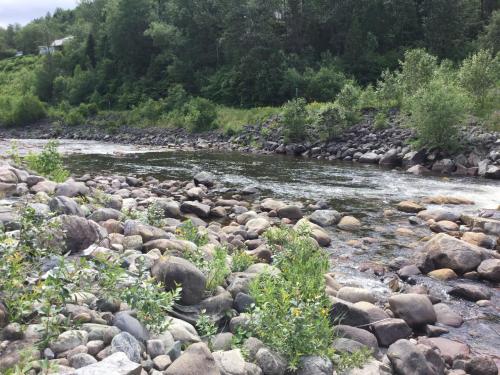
(429, 305)
(362, 143)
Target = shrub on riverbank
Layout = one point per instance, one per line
(21, 110)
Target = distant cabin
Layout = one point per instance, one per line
(56, 45)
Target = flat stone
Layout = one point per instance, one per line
(470, 292)
(115, 364)
(415, 309)
(445, 315)
(389, 331)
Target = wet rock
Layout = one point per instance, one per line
(126, 343)
(325, 218)
(445, 315)
(489, 269)
(349, 223)
(481, 366)
(357, 334)
(314, 365)
(204, 178)
(173, 271)
(418, 170)
(127, 323)
(449, 349)
(408, 271)
(443, 274)
(369, 158)
(470, 292)
(391, 158)
(271, 205)
(479, 239)
(290, 212)
(197, 208)
(65, 206)
(407, 358)
(410, 207)
(444, 226)
(389, 331)
(444, 251)
(195, 360)
(415, 309)
(438, 214)
(270, 362)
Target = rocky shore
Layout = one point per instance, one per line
(103, 216)
(362, 143)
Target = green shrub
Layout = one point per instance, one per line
(294, 118)
(199, 114)
(217, 268)
(330, 121)
(436, 111)
(22, 110)
(417, 70)
(241, 261)
(348, 100)
(73, 117)
(48, 163)
(381, 121)
(480, 75)
(292, 310)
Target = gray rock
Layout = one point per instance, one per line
(116, 364)
(71, 189)
(197, 208)
(65, 206)
(470, 292)
(126, 343)
(270, 362)
(147, 232)
(369, 158)
(356, 334)
(445, 315)
(389, 331)
(347, 313)
(444, 251)
(314, 365)
(127, 323)
(155, 348)
(345, 345)
(222, 341)
(195, 360)
(354, 295)
(390, 158)
(415, 309)
(242, 302)
(81, 360)
(481, 366)
(290, 212)
(325, 218)
(409, 359)
(103, 214)
(69, 340)
(173, 271)
(251, 346)
(204, 178)
(230, 362)
(80, 233)
(489, 269)
(132, 242)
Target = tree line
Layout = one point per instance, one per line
(241, 53)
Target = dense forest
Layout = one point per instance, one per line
(159, 55)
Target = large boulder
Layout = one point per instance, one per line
(65, 206)
(8, 176)
(230, 362)
(290, 212)
(270, 204)
(116, 364)
(204, 178)
(71, 189)
(80, 233)
(127, 323)
(195, 360)
(389, 331)
(444, 251)
(445, 315)
(415, 309)
(409, 359)
(69, 340)
(369, 158)
(314, 365)
(257, 225)
(391, 158)
(128, 344)
(470, 292)
(349, 223)
(147, 232)
(195, 207)
(325, 218)
(173, 271)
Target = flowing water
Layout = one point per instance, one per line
(359, 190)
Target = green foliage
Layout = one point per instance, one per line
(294, 118)
(330, 121)
(217, 268)
(490, 39)
(197, 115)
(21, 110)
(345, 361)
(436, 111)
(480, 76)
(348, 102)
(241, 261)
(155, 215)
(381, 121)
(190, 232)
(205, 326)
(48, 163)
(417, 70)
(292, 310)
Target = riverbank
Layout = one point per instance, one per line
(435, 298)
(362, 143)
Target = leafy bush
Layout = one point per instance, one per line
(48, 163)
(479, 75)
(330, 121)
(190, 232)
(217, 268)
(436, 111)
(294, 118)
(292, 310)
(197, 115)
(381, 120)
(22, 110)
(348, 101)
(417, 70)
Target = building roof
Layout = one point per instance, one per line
(60, 42)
